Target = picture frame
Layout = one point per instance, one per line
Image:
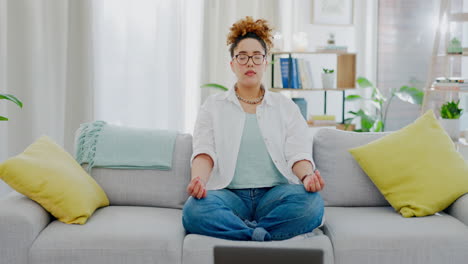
(332, 12)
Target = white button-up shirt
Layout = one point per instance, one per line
(220, 123)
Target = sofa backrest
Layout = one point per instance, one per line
(150, 187)
(346, 184)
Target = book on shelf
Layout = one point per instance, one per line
(284, 62)
(296, 79)
(289, 73)
(302, 76)
(308, 71)
(305, 73)
(322, 120)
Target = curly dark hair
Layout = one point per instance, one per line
(248, 28)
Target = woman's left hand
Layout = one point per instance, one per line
(313, 182)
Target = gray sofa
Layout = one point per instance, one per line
(143, 222)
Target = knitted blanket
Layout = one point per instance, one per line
(109, 146)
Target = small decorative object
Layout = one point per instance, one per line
(331, 39)
(278, 43)
(300, 41)
(332, 12)
(455, 47)
(450, 114)
(465, 51)
(11, 98)
(328, 78)
(302, 104)
(331, 47)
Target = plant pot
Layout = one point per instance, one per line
(452, 127)
(351, 127)
(328, 80)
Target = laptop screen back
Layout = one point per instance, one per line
(256, 255)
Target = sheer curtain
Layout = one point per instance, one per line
(147, 62)
(135, 63)
(44, 49)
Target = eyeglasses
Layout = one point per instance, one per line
(243, 59)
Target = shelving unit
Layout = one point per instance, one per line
(325, 91)
(434, 98)
(345, 68)
(345, 71)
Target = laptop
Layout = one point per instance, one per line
(256, 255)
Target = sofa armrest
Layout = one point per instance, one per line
(459, 209)
(21, 220)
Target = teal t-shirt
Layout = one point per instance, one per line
(254, 167)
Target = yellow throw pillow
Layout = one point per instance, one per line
(47, 174)
(417, 168)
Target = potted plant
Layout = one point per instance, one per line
(328, 78)
(11, 98)
(214, 85)
(450, 113)
(374, 120)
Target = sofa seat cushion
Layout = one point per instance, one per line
(198, 249)
(380, 235)
(115, 234)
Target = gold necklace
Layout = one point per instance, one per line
(254, 101)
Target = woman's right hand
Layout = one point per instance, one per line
(196, 188)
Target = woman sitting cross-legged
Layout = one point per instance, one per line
(253, 177)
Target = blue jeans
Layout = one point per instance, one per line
(260, 214)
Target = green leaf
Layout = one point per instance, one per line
(214, 85)
(377, 126)
(366, 120)
(451, 110)
(2, 118)
(364, 83)
(361, 113)
(410, 95)
(353, 97)
(376, 104)
(365, 125)
(378, 95)
(12, 98)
